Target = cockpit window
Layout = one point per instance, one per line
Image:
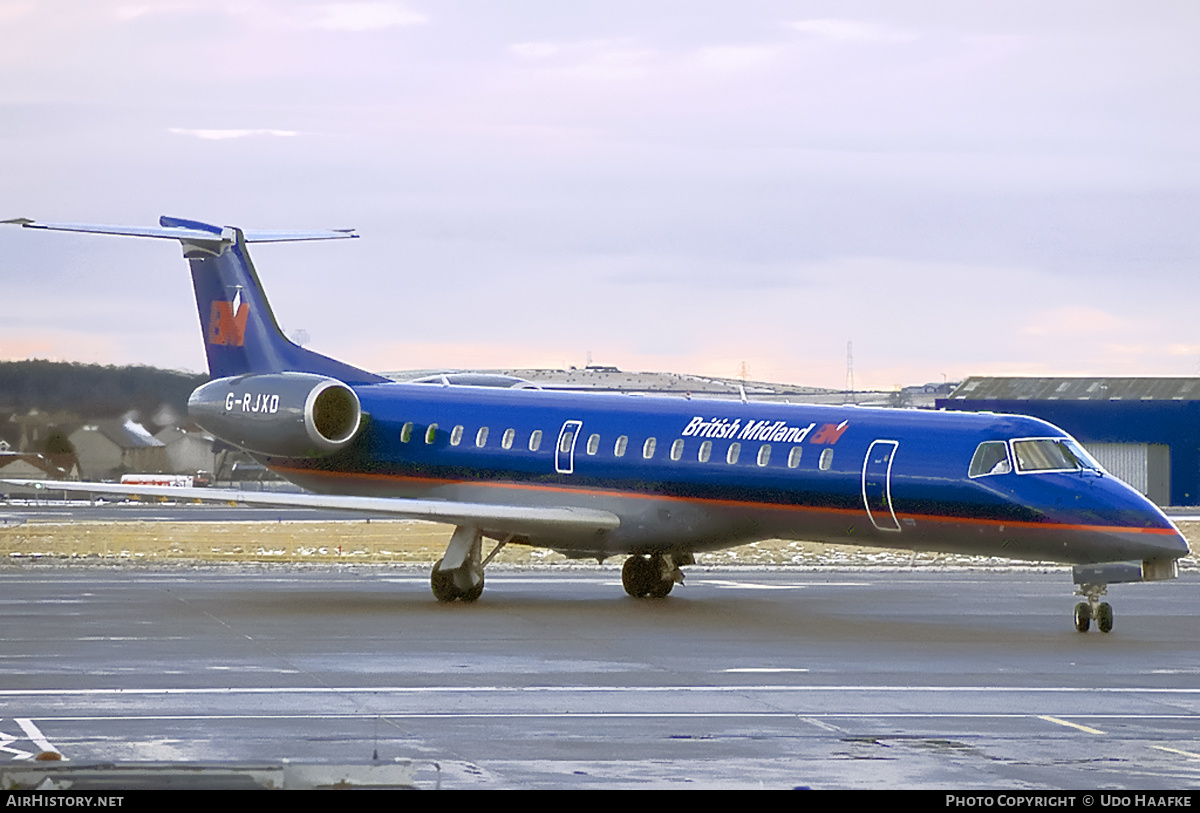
(990, 458)
(1051, 454)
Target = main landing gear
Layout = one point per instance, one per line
(1093, 608)
(458, 576)
(653, 576)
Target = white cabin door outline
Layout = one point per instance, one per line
(564, 450)
(877, 484)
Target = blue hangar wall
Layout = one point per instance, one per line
(1174, 423)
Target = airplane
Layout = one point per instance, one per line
(654, 479)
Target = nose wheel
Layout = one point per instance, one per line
(1093, 609)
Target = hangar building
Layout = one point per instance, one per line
(1144, 430)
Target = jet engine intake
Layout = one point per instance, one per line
(279, 414)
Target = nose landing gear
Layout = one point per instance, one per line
(1093, 608)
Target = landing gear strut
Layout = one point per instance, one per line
(1093, 608)
(653, 576)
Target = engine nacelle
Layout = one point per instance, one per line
(279, 414)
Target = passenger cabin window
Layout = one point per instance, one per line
(705, 451)
(456, 435)
(507, 441)
(794, 456)
(481, 437)
(406, 432)
(825, 463)
(735, 450)
(593, 445)
(990, 458)
(648, 448)
(764, 454)
(677, 449)
(566, 441)
(431, 434)
(1051, 454)
(622, 444)
(535, 440)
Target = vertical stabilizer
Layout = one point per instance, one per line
(240, 332)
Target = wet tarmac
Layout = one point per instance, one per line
(743, 678)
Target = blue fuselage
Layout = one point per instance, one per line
(894, 478)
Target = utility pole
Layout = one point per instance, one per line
(850, 369)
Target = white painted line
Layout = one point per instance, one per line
(693, 715)
(734, 688)
(35, 734)
(746, 585)
(760, 670)
(5, 740)
(493, 579)
(1176, 751)
(823, 726)
(1068, 724)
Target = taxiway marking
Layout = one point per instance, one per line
(32, 732)
(758, 670)
(1069, 724)
(5, 741)
(1189, 754)
(735, 688)
(35, 735)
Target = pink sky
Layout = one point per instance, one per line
(958, 188)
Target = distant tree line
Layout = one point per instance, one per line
(93, 390)
(41, 402)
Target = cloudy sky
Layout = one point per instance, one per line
(957, 187)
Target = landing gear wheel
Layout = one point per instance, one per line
(661, 588)
(649, 576)
(1083, 616)
(445, 590)
(443, 585)
(639, 576)
(1093, 609)
(474, 593)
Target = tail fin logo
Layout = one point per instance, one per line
(226, 325)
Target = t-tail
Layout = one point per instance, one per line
(267, 395)
(240, 333)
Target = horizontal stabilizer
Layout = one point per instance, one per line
(188, 231)
(501, 518)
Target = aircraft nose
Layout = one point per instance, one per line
(1160, 538)
(1137, 528)
(1176, 545)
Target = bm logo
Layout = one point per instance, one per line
(227, 322)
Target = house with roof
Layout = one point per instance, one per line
(23, 466)
(108, 449)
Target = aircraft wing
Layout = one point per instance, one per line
(500, 518)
